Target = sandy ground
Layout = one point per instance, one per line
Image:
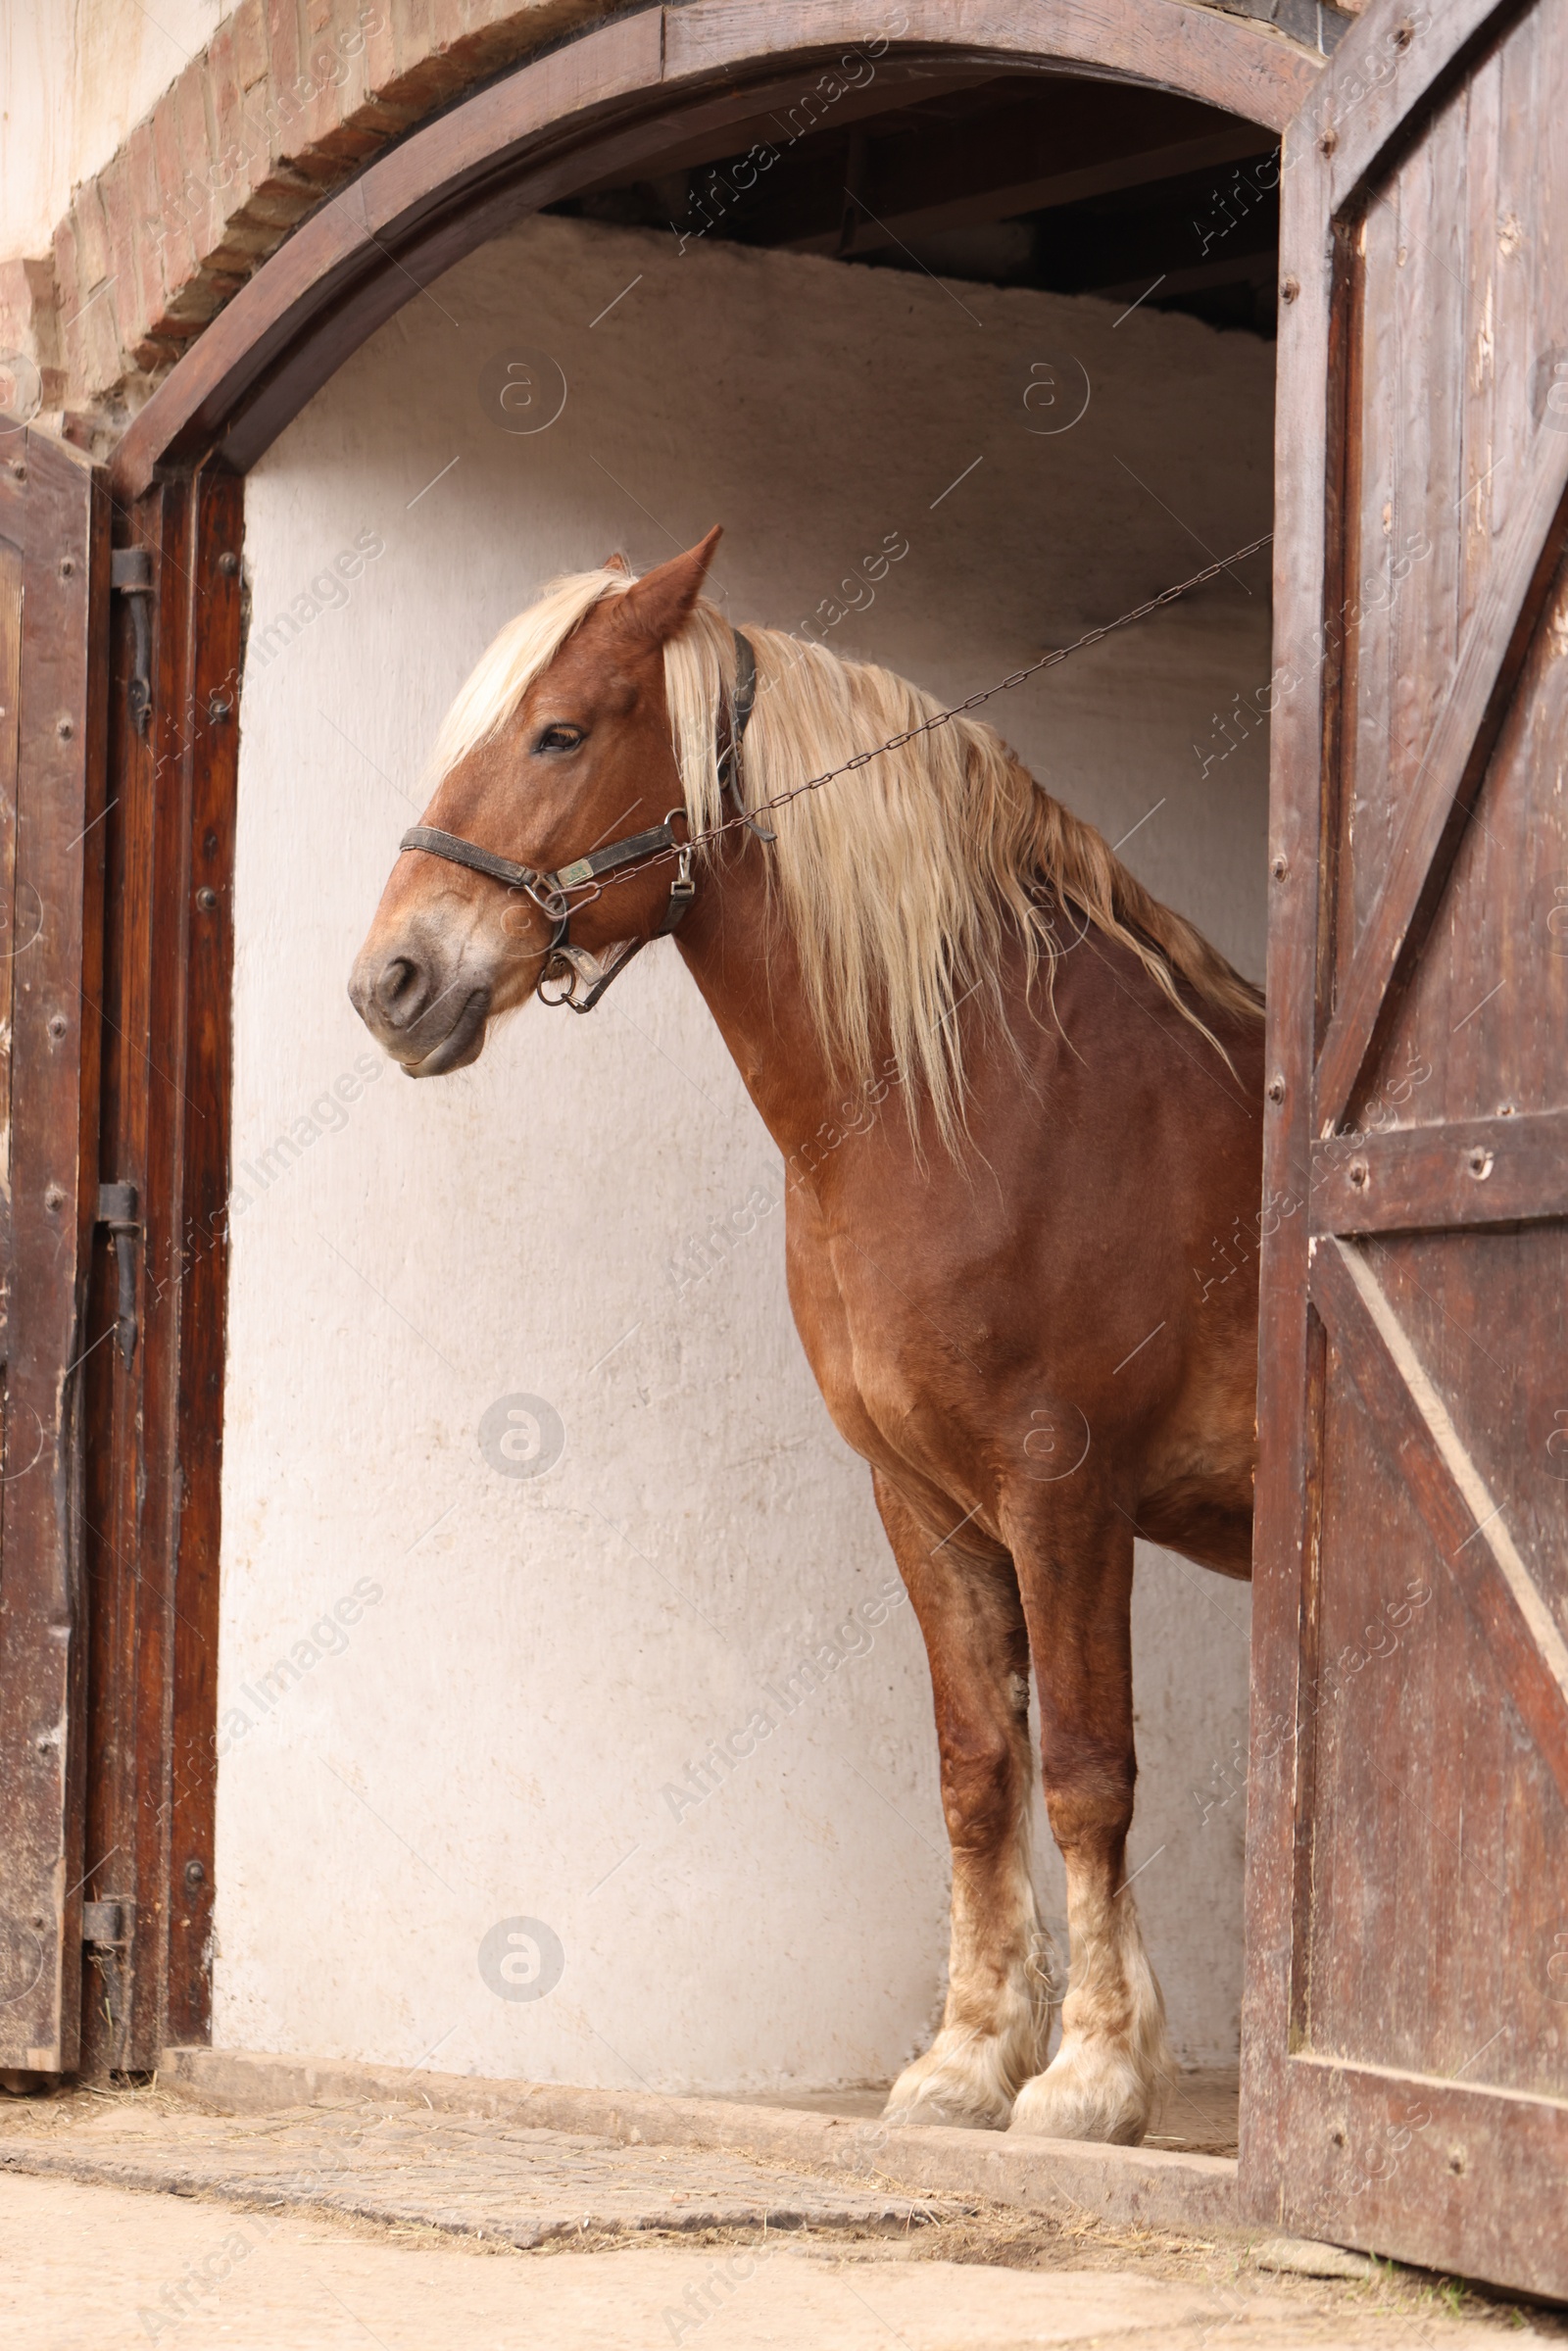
(91, 2266)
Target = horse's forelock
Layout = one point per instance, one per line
(515, 655)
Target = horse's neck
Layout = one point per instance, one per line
(740, 954)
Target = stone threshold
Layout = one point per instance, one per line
(1137, 2187)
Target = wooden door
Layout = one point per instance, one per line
(154, 1400)
(1405, 2058)
(53, 680)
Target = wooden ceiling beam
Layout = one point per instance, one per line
(1008, 199)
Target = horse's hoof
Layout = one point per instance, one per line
(948, 2113)
(1085, 2094)
(957, 2092)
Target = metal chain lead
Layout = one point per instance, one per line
(863, 759)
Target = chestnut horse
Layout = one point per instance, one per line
(1019, 1100)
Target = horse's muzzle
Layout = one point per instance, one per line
(429, 1027)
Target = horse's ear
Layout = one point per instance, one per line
(660, 604)
(617, 563)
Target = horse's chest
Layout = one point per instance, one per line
(879, 1353)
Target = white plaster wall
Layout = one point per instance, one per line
(76, 77)
(491, 1736)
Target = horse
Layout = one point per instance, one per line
(1017, 1099)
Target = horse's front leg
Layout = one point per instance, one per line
(997, 2022)
(1074, 1556)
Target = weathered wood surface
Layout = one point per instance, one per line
(1466, 1521)
(16, 922)
(53, 741)
(152, 1533)
(1435, 804)
(202, 1272)
(1403, 2140)
(1170, 45)
(1472, 1172)
(1406, 2069)
(1290, 1340)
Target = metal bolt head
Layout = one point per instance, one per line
(18, 471)
(206, 899)
(65, 729)
(228, 564)
(195, 1876)
(1290, 287)
(58, 1025)
(1361, 1174)
(53, 1199)
(1275, 1088)
(1279, 866)
(67, 565)
(1327, 142)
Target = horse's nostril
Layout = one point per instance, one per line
(401, 990)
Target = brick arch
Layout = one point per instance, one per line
(289, 99)
(247, 295)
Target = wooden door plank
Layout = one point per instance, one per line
(1443, 791)
(1383, 71)
(16, 927)
(1310, 363)
(12, 489)
(1452, 2173)
(1475, 1171)
(1467, 1524)
(62, 707)
(203, 1269)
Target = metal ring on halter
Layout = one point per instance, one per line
(553, 904)
(557, 968)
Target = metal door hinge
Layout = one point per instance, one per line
(116, 1213)
(131, 575)
(106, 1924)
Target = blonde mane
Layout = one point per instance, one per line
(902, 884)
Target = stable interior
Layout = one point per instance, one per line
(1020, 323)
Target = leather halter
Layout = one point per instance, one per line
(564, 964)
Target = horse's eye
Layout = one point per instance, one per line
(559, 738)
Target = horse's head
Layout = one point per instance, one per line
(583, 756)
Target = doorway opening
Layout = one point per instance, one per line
(951, 408)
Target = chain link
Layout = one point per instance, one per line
(1018, 677)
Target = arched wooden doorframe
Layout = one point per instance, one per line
(612, 100)
(609, 101)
